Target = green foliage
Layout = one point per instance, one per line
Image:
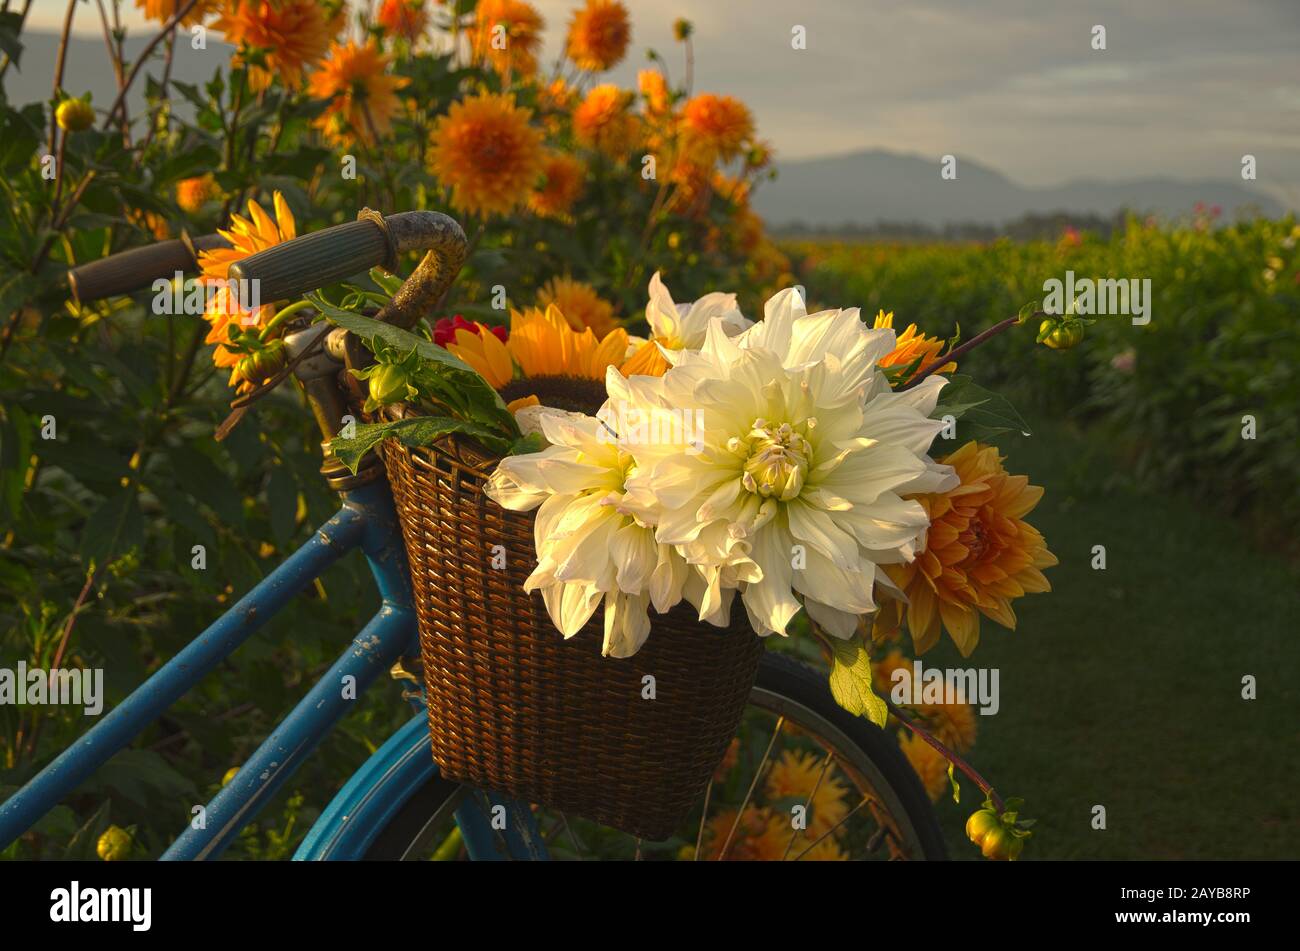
(1221, 343)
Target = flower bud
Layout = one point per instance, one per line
(74, 115)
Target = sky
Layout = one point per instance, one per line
(1183, 90)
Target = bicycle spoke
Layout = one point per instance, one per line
(573, 837)
(865, 800)
(704, 818)
(749, 793)
(808, 805)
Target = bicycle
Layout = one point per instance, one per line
(396, 806)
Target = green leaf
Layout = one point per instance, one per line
(282, 500)
(952, 778)
(984, 414)
(464, 389)
(533, 442)
(389, 282)
(414, 431)
(851, 681)
(113, 527)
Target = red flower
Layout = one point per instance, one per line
(444, 331)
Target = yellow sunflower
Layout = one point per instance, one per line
(579, 303)
(564, 176)
(362, 95)
(487, 153)
(598, 35)
(543, 360)
(247, 236)
(980, 554)
(604, 122)
(794, 776)
(287, 35)
(507, 35)
(909, 345)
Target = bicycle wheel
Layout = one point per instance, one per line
(804, 779)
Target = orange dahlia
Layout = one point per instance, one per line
(507, 35)
(654, 89)
(487, 153)
(796, 775)
(979, 554)
(602, 121)
(362, 95)
(930, 765)
(909, 345)
(581, 306)
(598, 35)
(405, 18)
(764, 835)
(247, 236)
(276, 38)
(164, 10)
(193, 193)
(564, 177)
(716, 127)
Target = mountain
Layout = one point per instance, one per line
(870, 187)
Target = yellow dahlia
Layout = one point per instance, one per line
(952, 724)
(544, 359)
(795, 775)
(164, 10)
(979, 554)
(362, 95)
(602, 121)
(405, 18)
(716, 127)
(930, 765)
(909, 345)
(276, 38)
(564, 176)
(247, 236)
(507, 35)
(598, 35)
(193, 193)
(764, 835)
(487, 153)
(579, 303)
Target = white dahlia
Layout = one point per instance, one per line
(680, 327)
(801, 455)
(588, 548)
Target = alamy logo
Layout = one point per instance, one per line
(195, 297)
(103, 904)
(37, 687)
(922, 684)
(632, 426)
(1107, 297)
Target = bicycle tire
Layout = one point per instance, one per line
(783, 685)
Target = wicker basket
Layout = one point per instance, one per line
(516, 708)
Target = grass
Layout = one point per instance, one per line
(1123, 687)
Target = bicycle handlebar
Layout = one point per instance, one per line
(138, 268)
(324, 257)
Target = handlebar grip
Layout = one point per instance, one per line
(137, 268)
(314, 260)
(326, 257)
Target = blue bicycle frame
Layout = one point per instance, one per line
(349, 825)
